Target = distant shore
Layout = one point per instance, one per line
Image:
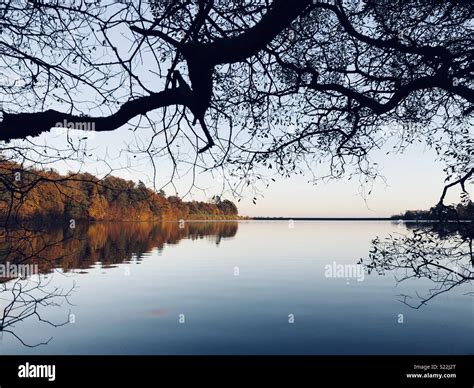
(61, 221)
(322, 219)
(343, 219)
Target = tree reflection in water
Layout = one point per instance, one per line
(441, 253)
(23, 299)
(58, 250)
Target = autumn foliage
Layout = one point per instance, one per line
(29, 194)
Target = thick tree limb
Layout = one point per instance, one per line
(256, 38)
(22, 125)
(202, 58)
(231, 50)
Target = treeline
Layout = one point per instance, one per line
(463, 212)
(30, 194)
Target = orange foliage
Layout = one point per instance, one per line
(28, 194)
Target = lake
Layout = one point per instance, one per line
(247, 287)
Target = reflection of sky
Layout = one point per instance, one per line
(134, 308)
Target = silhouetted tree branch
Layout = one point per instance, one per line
(274, 85)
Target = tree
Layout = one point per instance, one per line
(228, 207)
(248, 85)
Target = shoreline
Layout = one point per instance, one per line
(347, 219)
(243, 218)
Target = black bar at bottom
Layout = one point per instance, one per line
(318, 371)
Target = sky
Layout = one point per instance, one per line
(413, 181)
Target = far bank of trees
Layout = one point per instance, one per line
(464, 212)
(28, 194)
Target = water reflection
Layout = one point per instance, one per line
(438, 252)
(105, 243)
(281, 271)
(44, 250)
(25, 299)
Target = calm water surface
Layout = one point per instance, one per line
(237, 287)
